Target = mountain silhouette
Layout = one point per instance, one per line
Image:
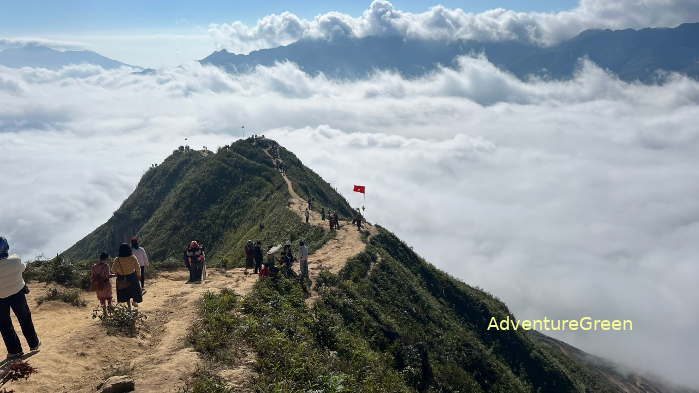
(44, 57)
(630, 54)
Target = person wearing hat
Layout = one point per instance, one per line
(140, 254)
(13, 292)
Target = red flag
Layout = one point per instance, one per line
(359, 189)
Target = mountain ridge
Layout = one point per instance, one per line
(619, 51)
(45, 57)
(385, 307)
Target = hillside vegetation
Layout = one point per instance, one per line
(220, 199)
(379, 317)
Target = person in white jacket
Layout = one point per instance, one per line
(13, 296)
(140, 254)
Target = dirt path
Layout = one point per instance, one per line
(77, 354)
(334, 254)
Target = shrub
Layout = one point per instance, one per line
(121, 320)
(60, 271)
(203, 381)
(212, 334)
(70, 296)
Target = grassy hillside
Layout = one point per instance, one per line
(390, 322)
(221, 199)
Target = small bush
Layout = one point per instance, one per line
(203, 381)
(70, 296)
(212, 334)
(121, 321)
(60, 271)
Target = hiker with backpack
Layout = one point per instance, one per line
(308, 215)
(99, 282)
(140, 254)
(195, 259)
(128, 277)
(249, 256)
(13, 292)
(257, 254)
(336, 220)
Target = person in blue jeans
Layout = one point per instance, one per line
(13, 292)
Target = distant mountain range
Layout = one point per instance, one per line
(631, 54)
(44, 57)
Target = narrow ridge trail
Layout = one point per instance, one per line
(335, 253)
(77, 354)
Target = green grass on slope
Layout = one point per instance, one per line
(389, 322)
(220, 199)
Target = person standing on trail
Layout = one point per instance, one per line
(322, 214)
(358, 220)
(99, 282)
(288, 260)
(195, 258)
(310, 203)
(249, 256)
(13, 292)
(308, 215)
(257, 254)
(140, 254)
(128, 274)
(336, 220)
(303, 261)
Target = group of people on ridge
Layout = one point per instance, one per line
(129, 268)
(272, 265)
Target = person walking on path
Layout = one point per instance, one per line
(99, 282)
(308, 215)
(140, 254)
(249, 256)
(336, 220)
(310, 203)
(195, 258)
(303, 262)
(128, 274)
(257, 254)
(322, 214)
(13, 292)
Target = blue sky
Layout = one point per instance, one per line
(165, 33)
(35, 17)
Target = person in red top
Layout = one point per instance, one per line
(99, 282)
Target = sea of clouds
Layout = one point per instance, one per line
(563, 198)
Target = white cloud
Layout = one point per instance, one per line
(563, 198)
(18, 42)
(441, 23)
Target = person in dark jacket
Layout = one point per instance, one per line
(257, 254)
(249, 255)
(13, 297)
(196, 260)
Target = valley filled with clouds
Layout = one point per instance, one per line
(562, 198)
